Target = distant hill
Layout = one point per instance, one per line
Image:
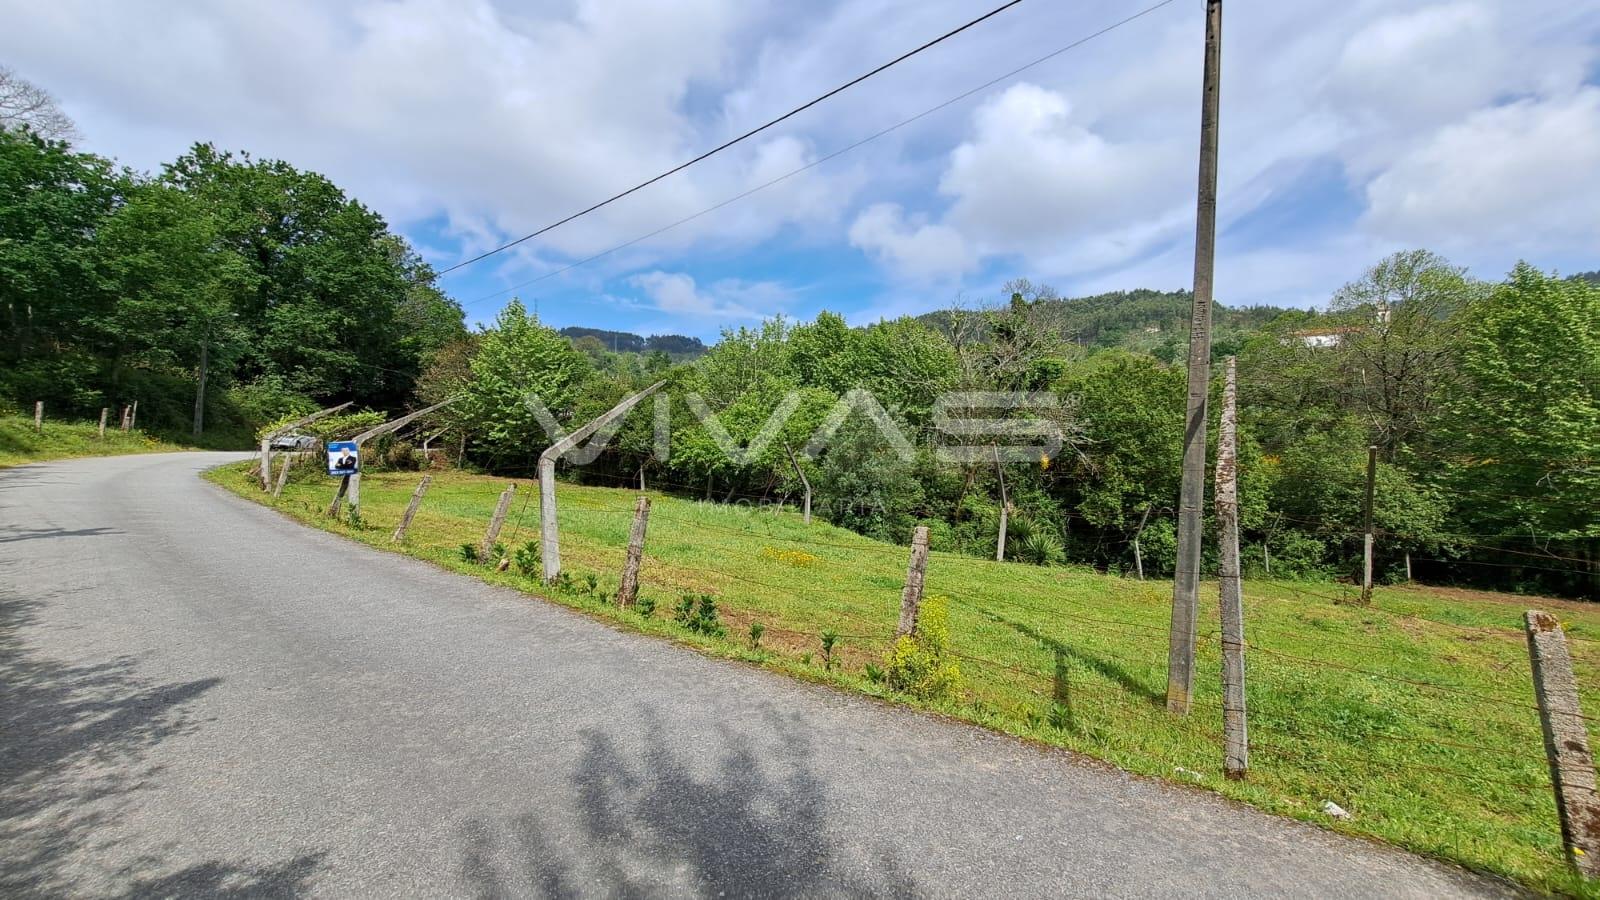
(679, 347)
(1152, 321)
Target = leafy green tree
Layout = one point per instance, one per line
(519, 361)
(1521, 431)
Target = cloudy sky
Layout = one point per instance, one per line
(1471, 127)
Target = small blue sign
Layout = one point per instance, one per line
(344, 458)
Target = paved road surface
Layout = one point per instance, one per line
(199, 697)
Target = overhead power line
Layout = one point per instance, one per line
(830, 156)
(747, 135)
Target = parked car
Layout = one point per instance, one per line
(295, 442)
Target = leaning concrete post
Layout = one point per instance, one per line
(104, 411)
(411, 509)
(549, 530)
(124, 423)
(496, 522)
(1566, 742)
(630, 569)
(1236, 743)
(283, 476)
(338, 497)
(911, 597)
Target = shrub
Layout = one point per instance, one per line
(829, 638)
(527, 559)
(916, 664)
(401, 456)
(468, 553)
(1042, 548)
(645, 606)
(699, 615)
(756, 631)
(591, 583)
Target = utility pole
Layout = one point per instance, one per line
(1366, 515)
(1186, 580)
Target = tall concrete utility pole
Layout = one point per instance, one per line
(1186, 580)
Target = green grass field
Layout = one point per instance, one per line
(19, 443)
(1415, 714)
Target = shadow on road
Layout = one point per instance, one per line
(731, 820)
(73, 760)
(9, 535)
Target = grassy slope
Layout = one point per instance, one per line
(1454, 770)
(19, 443)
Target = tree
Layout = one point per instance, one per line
(1395, 360)
(519, 361)
(24, 105)
(1520, 433)
(177, 286)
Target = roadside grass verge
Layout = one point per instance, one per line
(20, 444)
(1416, 715)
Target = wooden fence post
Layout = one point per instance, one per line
(630, 569)
(338, 497)
(411, 509)
(1236, 742)
(1566, 742)
(496, 522)
(804, 481)
(283, 476)
(911, 597)
(38, 415)
(104, 411)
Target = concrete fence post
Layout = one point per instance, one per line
(496, 522)
(411, 509)
(104, 411)
(283, 476)
(1566, 742)
(916, 572)
(1236, 742)
(630, 569)
(38, 415)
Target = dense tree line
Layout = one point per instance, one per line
(221, 292)
(1483, 399)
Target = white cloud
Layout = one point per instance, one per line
(676, 294)
(914, 248)
(1525, 174)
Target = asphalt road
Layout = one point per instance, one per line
(199, 697)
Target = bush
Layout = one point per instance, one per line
(527, 559)
(829, 638)
(699, 615)
(756, 631)
(401, 456)
(916, 664)
(468, 553)
(645, 606)
(1042, 548)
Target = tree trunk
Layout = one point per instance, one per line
(200, 392)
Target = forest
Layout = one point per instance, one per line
(226, 293)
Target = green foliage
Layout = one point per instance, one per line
(527, 559)
(756, 631)
(917, 664)
(517, 362)
(467, 552)
(645, 606)
(699, 615)
(829, 639)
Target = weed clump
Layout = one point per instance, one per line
(917, 664)
(699, 615)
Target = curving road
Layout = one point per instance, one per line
(199, 697)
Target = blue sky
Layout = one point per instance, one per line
(1471, 127)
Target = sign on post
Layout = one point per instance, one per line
(344, 458)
